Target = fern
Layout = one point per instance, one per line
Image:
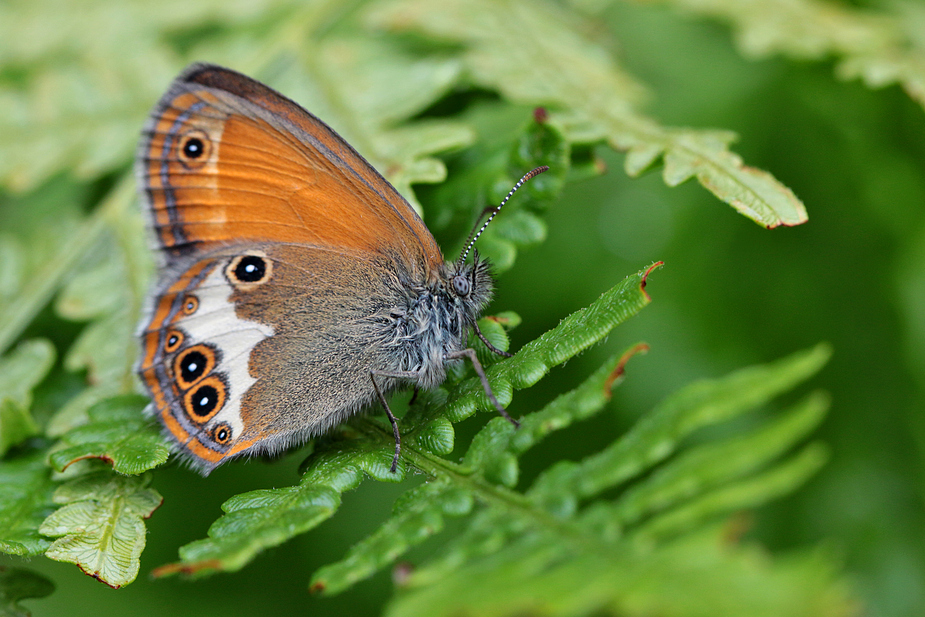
(543, 61)
(26, 489)
(19, 374)
(78, 456)
(99, 526)
(519, 545)
(19, 584)
(877, 47)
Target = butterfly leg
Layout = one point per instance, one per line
(488, 344)
(470, 354)
(388, 410)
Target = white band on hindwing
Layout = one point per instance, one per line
(216, 323)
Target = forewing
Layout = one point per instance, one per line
(225, 158)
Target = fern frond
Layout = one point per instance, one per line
(99, 526)
(26, 492)
(875, 46)
(548, 551)
(545, 61)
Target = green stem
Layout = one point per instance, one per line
(487, 492)
(41, 287)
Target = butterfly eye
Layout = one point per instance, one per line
(205, 400)
(174, 340)
(192, 364)
(461, 285)
(221, 434)
(194, 148)
(246, 271)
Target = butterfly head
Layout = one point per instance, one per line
(469, 287)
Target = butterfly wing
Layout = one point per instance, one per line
(255, 365)
(284, 253)
(225, 158)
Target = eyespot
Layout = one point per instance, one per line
(194, 148)
(247, 271)
(205, 400)
(173, 341)
(190, 304)
(192, 364)
(221, 434)
(461, 285)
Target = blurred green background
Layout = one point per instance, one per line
(731, 294)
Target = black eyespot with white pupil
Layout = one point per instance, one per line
(221, 434)
(461, 285)
(204, 400)
(247, 272)
(192, 366)
(250, 269)
(193, 148)
(173, 341)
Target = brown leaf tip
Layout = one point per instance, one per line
(185, 568)
(618, 371)
(96, 575)
(317, 587)
(103, 457)
(645, 276)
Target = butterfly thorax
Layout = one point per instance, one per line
(436, 317)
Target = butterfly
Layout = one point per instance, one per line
(297, 286)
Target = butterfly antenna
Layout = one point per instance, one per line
(496, 209)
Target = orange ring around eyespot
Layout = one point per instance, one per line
(172, 347)
(215, 431)
(212, 382)
(232, 276)
(204, 155)
(194, 445)
(206, 352)
(190, 304)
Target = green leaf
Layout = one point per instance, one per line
(713, 464)
(520, 545)
(42, 234)
(420, 512)
(699, 575)
(26, 492)
(20, 372)
(512, 144)
(118, 433)
(100, 525)
(260, 519)
(108, 289)
(659, 434)
(419, 515)
(573, 335)
(20, 584)
(878, 47)
(593, 99)
(749, 493)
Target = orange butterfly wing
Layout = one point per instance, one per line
(227, 159)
